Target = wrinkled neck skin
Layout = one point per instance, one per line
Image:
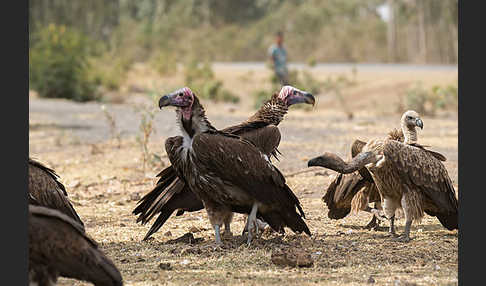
(192, 120)
(409, 133)
(271, 112)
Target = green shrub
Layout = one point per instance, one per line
(58, 65)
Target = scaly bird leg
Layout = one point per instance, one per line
(252, 226)
(392, 226)
(227, 230)
(405, 236)
(217, 234)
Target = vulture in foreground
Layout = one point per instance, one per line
(227, 172)
(354, 192)
(407, 176)
(171, 193)
(46, 190)
(58, 246)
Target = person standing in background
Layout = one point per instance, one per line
(278, 57)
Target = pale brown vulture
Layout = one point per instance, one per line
(227, 172)
(58, 246)
(46, 190)
(407, 176)
(355, 191)
(171, 193)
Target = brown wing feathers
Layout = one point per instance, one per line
(258, 129)
(46, 190)
(58, 246)
(423, 171)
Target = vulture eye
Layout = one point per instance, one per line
(180, 94)
(295, 92)
(409, 117)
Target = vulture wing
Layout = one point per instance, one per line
(171, 193)
(46, 190)
(340, 193)
(238, 163)
(60, 243)
(421, 170)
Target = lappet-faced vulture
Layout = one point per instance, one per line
(171, 193)
(58, 246)
(46, 190)
(227, 172)
(406, 175)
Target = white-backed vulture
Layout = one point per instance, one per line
(171, 193)
(355, 191)
(46, 190)
(227, 172)
(407, 176)
(58, 246)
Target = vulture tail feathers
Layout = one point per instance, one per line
(159, 222)
(145, 205)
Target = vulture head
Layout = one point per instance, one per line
(182, 98)
(291, 95)
(411, 118)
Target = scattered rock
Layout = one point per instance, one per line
(186, 238)
(168, 233)
(292, 257)
(122, 224)
(165, 266)
(195, 229)
(371, 280)
(135, 196)
(124, 260)
(140, 259)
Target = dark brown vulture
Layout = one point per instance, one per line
(354, 192)
(227, 172)
(46, 190)
(171, 193)
(407, 176)
(58, 246)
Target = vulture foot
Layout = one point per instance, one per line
(252, 224)
(373, 224)
(227, 234)
(402, 238)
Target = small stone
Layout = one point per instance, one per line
(371, 280)
(165, 266)
(135, 196)
(168, 233)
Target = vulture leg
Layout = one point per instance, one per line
(252, 223)
(392, 226)
(405, 236)
(227, 226)
(217, 234)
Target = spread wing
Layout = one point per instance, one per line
(46, 190)
(60, 242)
(340, 193)
(422, 171)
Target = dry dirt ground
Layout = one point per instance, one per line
(105, 178)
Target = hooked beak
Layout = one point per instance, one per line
(317, 161)
(302, 97)
(419, 123)
(164, 101)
